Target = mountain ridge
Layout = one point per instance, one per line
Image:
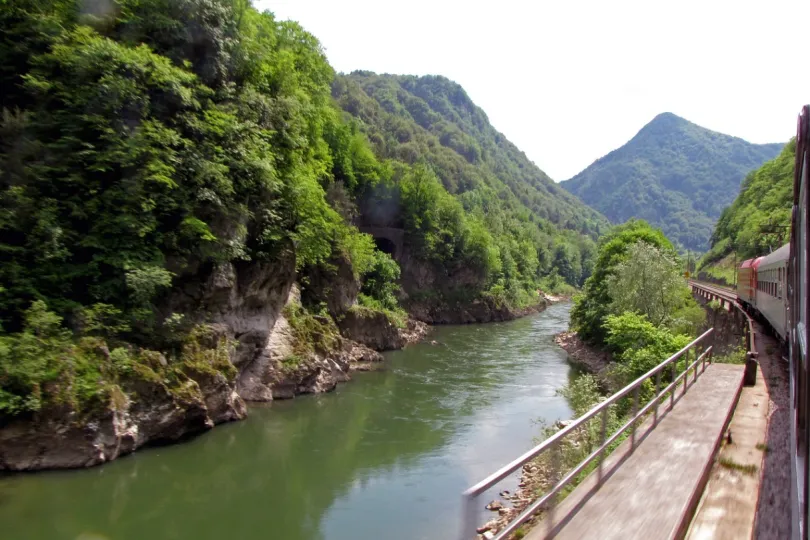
(673, 173)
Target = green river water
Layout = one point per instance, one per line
(386, 456)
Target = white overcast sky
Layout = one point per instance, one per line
(569, 81)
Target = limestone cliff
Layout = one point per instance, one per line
(279, 350)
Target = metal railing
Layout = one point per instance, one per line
(552, 444)
(712, 292)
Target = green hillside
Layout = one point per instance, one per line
(431, 121)
(758, 219)
(674, 174)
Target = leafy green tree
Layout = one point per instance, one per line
(591, 307)
(648, 282)
(638, 344)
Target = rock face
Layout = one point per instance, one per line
(243, 302)
(371, 328)
(61, 439)
(336, 286)
(245, 299)
(452, 298)
(271, 376)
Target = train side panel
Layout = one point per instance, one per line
(746, 282)
(771, 296)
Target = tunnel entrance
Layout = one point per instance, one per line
(386, 246)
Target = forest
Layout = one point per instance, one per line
(675, 174)
(145, 142)
(758, 221)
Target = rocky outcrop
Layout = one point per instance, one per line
(440, 295)
(153, 412)
(282, 371)
(479, 310)
(243, 303)
(378, 331)
(371, 328)
(333, 284)
(244, 298)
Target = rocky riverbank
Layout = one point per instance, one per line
(277, 350)
(586, 357)
(534, 478)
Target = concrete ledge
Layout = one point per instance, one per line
(653, 491)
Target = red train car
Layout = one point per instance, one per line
(747, 281)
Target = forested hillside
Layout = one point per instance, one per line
(674, 174)
(758, 220)
(173, 171)
(431, 121)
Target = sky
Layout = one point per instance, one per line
(569, 81)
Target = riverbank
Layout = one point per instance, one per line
(385, 456)
(535, 475)
(586, 357)
(303, 354)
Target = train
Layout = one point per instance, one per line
(774, 289)
(798, 278)
(762, 289)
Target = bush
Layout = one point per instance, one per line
(639, 345)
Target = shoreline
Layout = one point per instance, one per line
(51, 443)
(534, 475)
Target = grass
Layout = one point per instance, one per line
(734, 466)
(723, 270)
(763, 447)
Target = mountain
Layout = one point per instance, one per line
(190, 220)
(432, 119)
(674, 174)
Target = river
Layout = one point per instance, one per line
(386, 456)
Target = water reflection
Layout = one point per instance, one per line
(385, 456)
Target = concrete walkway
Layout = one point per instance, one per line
(652, 492)
(729, 503)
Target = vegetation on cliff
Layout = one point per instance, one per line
(674, 174)
(636, 304)
(759, 218)
(144, 142)
(505, 215)
(148, 147)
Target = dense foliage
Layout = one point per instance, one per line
(506, 217)
(591, 307)
(141, 141)
(145, 142)
(758, 220)
(674, 174)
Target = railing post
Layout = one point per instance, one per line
(602, 438)
(555, 476)
(685, 372)
(468, 527)
(657, 397)
(635, 420)
(674, 386)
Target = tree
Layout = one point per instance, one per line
(648, 282)
(591, 307)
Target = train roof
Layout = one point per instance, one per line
(751, 263)
(777, 256)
